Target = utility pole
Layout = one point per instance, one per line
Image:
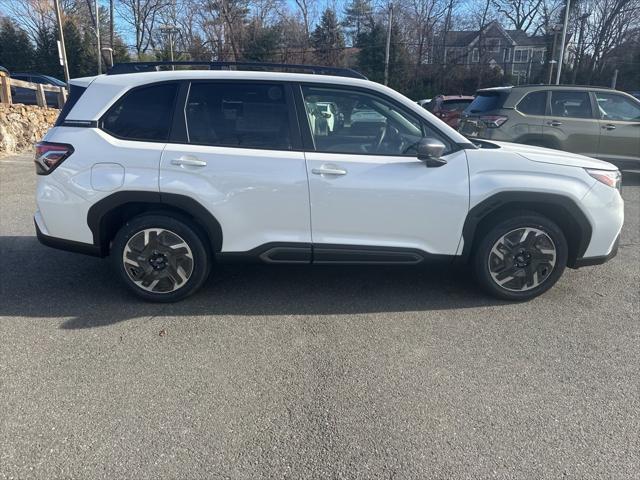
(564, 38)
(170, 30)
(97, 18)
(614, 80)
(63, 50)
(111, 29)
(387, 50)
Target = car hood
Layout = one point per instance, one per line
(557, 157)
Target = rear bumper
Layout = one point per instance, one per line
(589, 261)
(68, 245)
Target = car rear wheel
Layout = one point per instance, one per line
(521, 257)
(160, 258)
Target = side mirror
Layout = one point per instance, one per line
(430, 150)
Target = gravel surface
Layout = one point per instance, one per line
(322, 373)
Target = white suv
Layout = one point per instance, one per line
(171, 172)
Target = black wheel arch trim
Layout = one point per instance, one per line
(104, 211)
(520, 199)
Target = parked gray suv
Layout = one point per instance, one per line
(593, 121)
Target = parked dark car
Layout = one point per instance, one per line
(449, 108)
(28, 96)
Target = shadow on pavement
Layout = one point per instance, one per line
(42, 282)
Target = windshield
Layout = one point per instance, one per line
(451, 105)
(54, 81)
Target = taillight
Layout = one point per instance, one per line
(493, 121)
(49, 155)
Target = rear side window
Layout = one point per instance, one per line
(143, 114)
(485, 102)
(571, 104)
(75, 92)
(534, 103)
(250, 115)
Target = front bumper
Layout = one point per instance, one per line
(589, 261)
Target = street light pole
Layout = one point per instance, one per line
(98, 37)
(564, 38)
(63, 50)
(170, 30)
(388, 48)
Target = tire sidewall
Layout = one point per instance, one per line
(486, 244)
(201, 260)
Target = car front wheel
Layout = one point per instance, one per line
(160, 258)
(521, 257)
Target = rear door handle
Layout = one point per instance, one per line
(328, 170)
(188, 161)
(554, 123)
(609, 126)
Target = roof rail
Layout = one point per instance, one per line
(137, 67)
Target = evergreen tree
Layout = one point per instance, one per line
(372, 45)
(328, 40)
(262, 42)
(80, 56)
(358, 15)
(16, 52)
(46, 54)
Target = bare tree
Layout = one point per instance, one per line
(141, 17)
(521, 14)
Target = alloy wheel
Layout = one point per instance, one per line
(522, 259)
(158, 260)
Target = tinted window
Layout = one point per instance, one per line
(362, 123)
(485, 102)
(570, 104)
(252, 115)
(143, 114)
(53, 81)
(451, 105)
(534, 103)
(617, 107)
(75, 93)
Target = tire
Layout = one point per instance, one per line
(521, 256)
(160, 258)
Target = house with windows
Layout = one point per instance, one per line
(513, 52)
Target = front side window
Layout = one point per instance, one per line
(235, 114)
(143, 114)
(617, 107)
(570, 104)
(533, 103)
(362, 123)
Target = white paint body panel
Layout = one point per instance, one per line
(389, 201)
(65, 196)
(495, 171)
(258, 196)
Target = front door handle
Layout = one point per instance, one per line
(554, 123)
(609, 126)
(188, 161)
(328, 170)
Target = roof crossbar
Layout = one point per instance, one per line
(137, 67)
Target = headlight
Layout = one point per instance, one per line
(611, 178)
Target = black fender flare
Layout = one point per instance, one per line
(100, 214)
(561, 205)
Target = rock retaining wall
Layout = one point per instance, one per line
(23, 125)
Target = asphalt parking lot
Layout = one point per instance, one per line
(321, 373)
